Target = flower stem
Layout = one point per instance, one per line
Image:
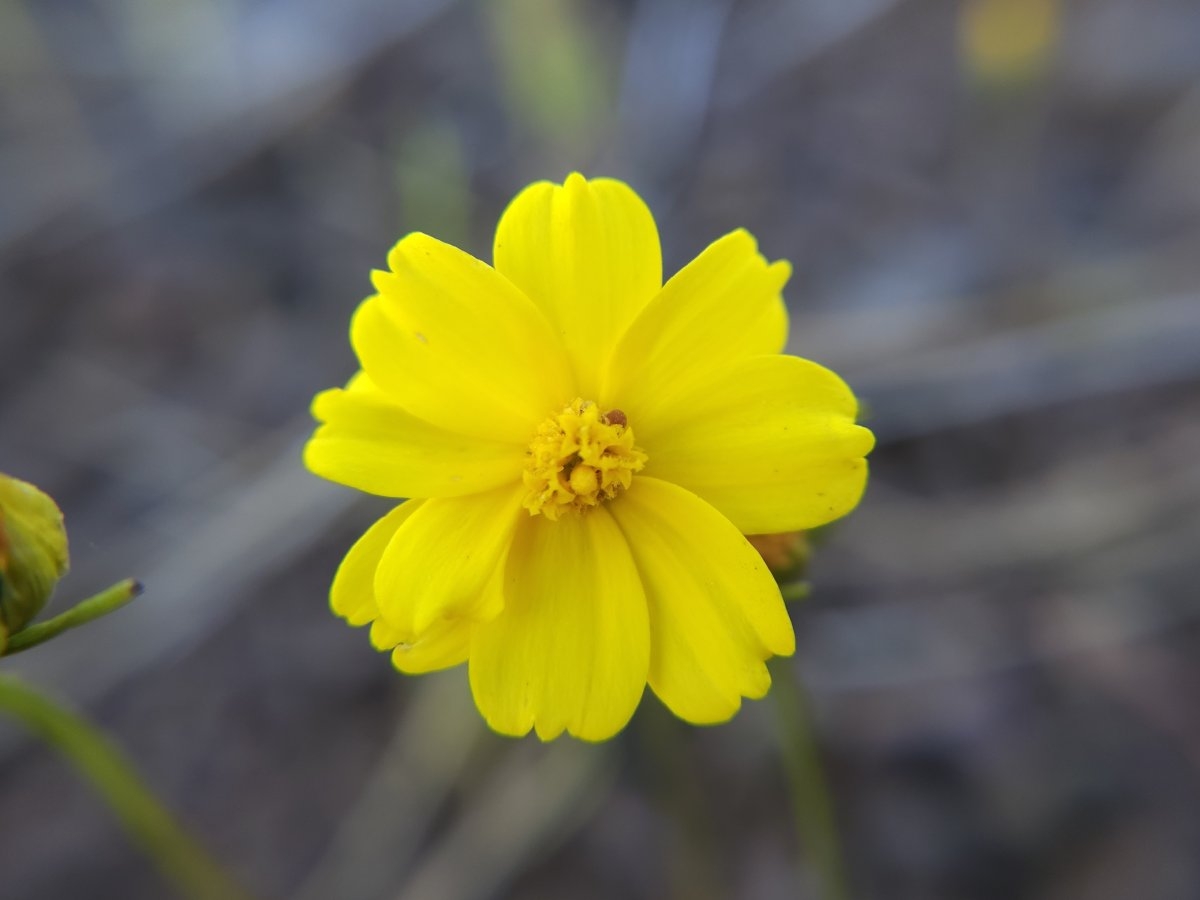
(94, 757)
(812, 803)
(793, 591)
(83, 612)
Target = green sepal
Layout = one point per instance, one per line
(33, 553)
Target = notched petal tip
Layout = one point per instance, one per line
(717, 709)
(315, 457)
(327, 403)
(862, 441)
(781, 269)
(778, 272)
(739, 239)
(713, 713)
(742, 242)
(357, 618)
(322, 403)
(412, 243)
(547, 732)
(384, 635)
(382, 280)
(505, 727)
(780, 642)
(445, 644)
(765, 685)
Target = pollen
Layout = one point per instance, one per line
(578, 459)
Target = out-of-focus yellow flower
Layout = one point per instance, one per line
(1008, 40)
(33, 553)
(587, 447)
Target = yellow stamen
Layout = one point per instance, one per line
(578, 459)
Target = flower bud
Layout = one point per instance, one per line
(33, 553)
(785, 554)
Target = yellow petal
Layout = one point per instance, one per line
(439, 562)
(570, 650)
(447, 640)
(715, 610)
(457, 345)
(769, 441)
(587, 253)
(353, 593)
(444, 644)
(386, 635)
(723, 306)
(371, 443)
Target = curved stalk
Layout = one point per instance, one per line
(93, 607)
(110, 774)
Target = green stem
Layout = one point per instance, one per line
(111, 775)
(83, 612)
(812, 803)
(793, 591)
(692, 872)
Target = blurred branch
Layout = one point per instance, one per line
(793, 35)
(676, 785)
(535, 800)
(1145, 344)
(939, 639)
(246, 518)
(812, 802)
(378, 838)
(114, 779)
(554, 73)
(670, 67)
(301, 51)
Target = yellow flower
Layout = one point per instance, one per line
(586, 447)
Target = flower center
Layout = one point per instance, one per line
(578, 459)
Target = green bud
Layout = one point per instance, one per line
(33, 553)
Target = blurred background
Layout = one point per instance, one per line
(993, 211)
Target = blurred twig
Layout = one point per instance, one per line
(85, 611)
(534, 800)
(670, 67)
(555, 74)
(229, 535)
(676, 785)
(377, 839)
(106, 769)
(312, 46)
(812, 802)
(1143, 344)
(793, 35)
